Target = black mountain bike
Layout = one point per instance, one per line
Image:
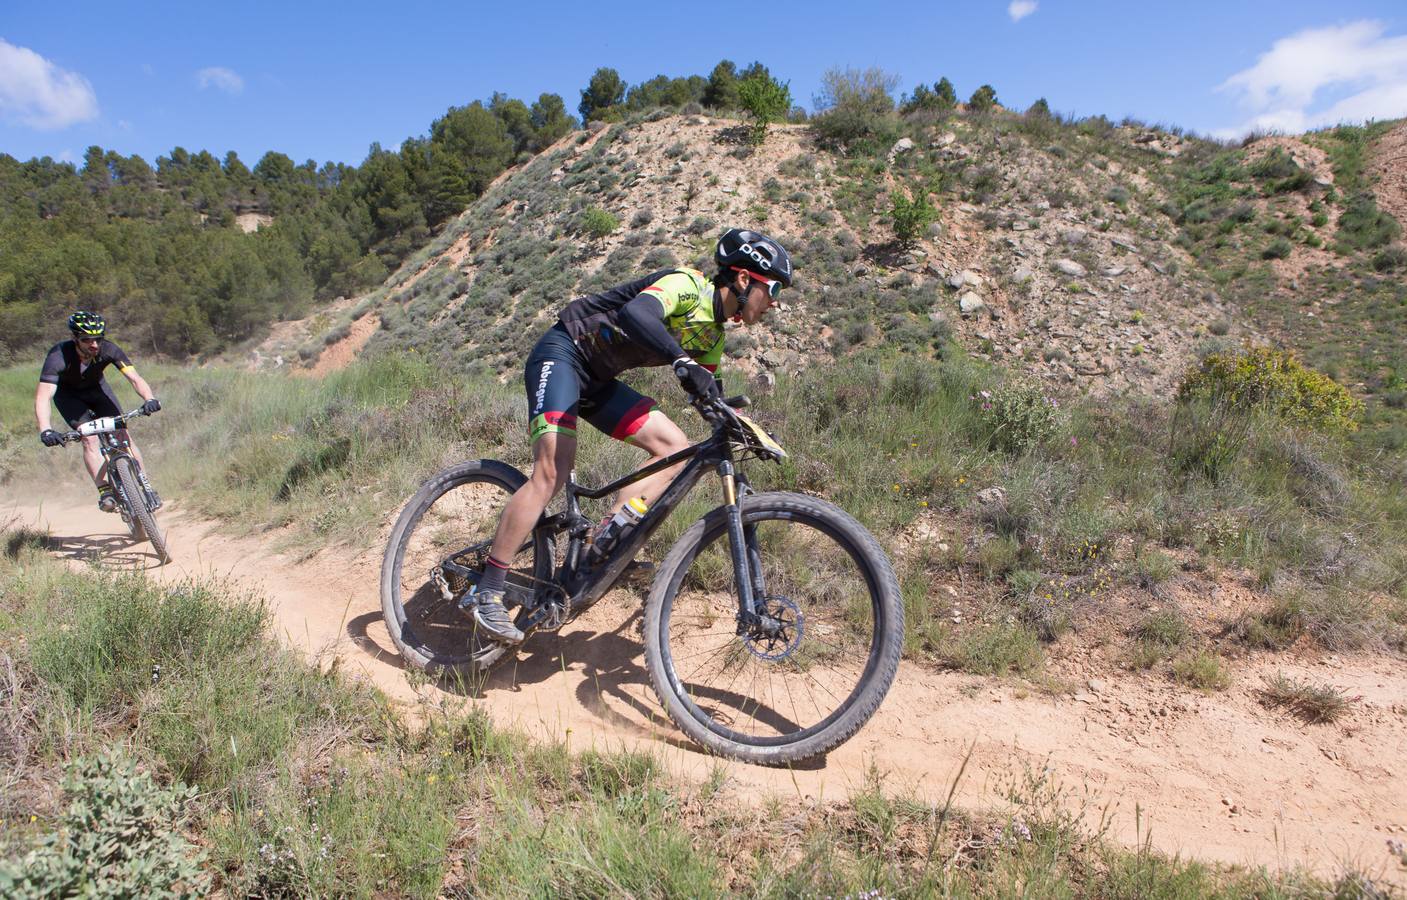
(773, 627)
(134, 502)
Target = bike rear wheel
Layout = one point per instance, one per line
(808, 682)
(452, 517)
(143, 521)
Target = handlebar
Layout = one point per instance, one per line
(119, 421)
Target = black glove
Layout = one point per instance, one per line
(50, 437)
(151, 406)
(695, 379)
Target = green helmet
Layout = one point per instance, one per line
(86, 324)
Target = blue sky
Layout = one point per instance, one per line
(323, 81)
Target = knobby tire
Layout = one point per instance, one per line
(774, 728)
(445, 643)
(143, 520)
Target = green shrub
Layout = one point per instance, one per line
(1390, 259)
(766, 101)
(982, 99)
(1274, 381)
(854, 105)
(1277, 249)
(1019, 416)
(120, 837)
(911, 217)
(597, 223)
(1203, 671)
(1166, 629)
(1274, 165)
(1364, 227)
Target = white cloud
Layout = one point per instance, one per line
(1285, 90)
(37, 93)
(1020, 9)
(220, 78)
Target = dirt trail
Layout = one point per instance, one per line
(1216, 777)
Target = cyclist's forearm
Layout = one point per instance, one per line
(43, 396)
(143, 389)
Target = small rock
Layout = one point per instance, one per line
(1113, 271)
(955, 282)
(1071, 268)
(903, 145)
(992, 495)
(1074, 236)
(952, 591)
(971, 278)
(1097, 685)
(1022, 275)
(861, 271)
(969, 304)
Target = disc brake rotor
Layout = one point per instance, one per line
(778, 638)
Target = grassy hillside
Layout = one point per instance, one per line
(1105, 258)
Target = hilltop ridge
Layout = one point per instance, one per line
(1060, 249)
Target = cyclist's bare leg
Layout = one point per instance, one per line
(93, 460)
(659, 437)
(553, 456)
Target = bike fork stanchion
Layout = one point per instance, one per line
(738, 547)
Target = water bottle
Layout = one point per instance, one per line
(616, 528)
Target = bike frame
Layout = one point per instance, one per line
(113, 445)
(585, 588)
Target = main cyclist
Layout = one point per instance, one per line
(72, 378)
(673, 317)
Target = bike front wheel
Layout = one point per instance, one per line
(814, 672)
(143, 520)
(452, 519)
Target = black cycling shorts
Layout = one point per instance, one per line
(560, 388)
(78, 407)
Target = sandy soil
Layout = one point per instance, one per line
(338, 355)
(1389, 167)
(1216, 777)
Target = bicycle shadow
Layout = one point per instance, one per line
(611, 679)
(107, 548)
(613, 675)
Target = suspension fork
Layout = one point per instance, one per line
(742, 545)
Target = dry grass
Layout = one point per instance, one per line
(1314, 703)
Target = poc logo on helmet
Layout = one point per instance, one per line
(757, 256)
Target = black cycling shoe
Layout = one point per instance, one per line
(107, 500)
(491, 616)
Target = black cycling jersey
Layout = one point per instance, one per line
(64, 368)
(690, 311)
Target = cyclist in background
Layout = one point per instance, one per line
(673, 317)
(72, 378)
